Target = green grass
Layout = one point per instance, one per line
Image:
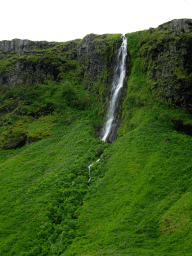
(37, 199)
(37, 109)
(139, 200)
(142, 205)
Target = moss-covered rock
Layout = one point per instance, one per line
(167, 61)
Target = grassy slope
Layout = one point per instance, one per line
(31, 111)
(142, 206)
(38, 200)
(139, 200)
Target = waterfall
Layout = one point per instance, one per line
(118, 80)
(117, 85)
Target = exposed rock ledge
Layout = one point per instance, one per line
(177, 25)
(20, 46)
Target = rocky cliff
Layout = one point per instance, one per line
(21, 47)
(166, 54)
(139, 198)
(87, 62)
(177, 26)
(28, 62)
(163, 55)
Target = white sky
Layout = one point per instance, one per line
(63, 20)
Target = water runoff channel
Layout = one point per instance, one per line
(117, 85)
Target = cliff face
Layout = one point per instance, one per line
(21, 47)
(28, 62)
(140, 188)
(171, 68)
(167, 51)
(87, 63)
(163, 55)
(177, 26)
(166, 58)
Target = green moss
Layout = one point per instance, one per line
(7, 64)
(139, 200)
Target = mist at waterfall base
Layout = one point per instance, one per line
(117, 85)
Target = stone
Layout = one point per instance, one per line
(177, 25)
(20, 46)
(151, 29)
(13, 144)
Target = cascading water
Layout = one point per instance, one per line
(117, 85)
(118, 80)
(89, 167)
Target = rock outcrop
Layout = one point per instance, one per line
(20, 46)
(26, 72)
(25, 69)
(28, 62)
(178, 26)
(87, 62)
(170, 62)
(89, 53)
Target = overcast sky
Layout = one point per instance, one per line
(63, 20)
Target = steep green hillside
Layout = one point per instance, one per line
(38, 86)
(44, 181)
(142, 206)
(139, 201)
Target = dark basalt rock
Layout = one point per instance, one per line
(13, 144)
(35, 66)
(8, 109)
(20, 46)
(72, 45)
(113, 134)
(171, 65)
(178, 26)
(181, 127)
(151, 29)
(30, 73)
(88, 53)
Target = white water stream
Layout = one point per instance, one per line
(118, 80)
(89, 167)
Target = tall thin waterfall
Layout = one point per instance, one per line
(118, 79)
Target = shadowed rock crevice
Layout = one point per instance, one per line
(17, 143)
(181, 126)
